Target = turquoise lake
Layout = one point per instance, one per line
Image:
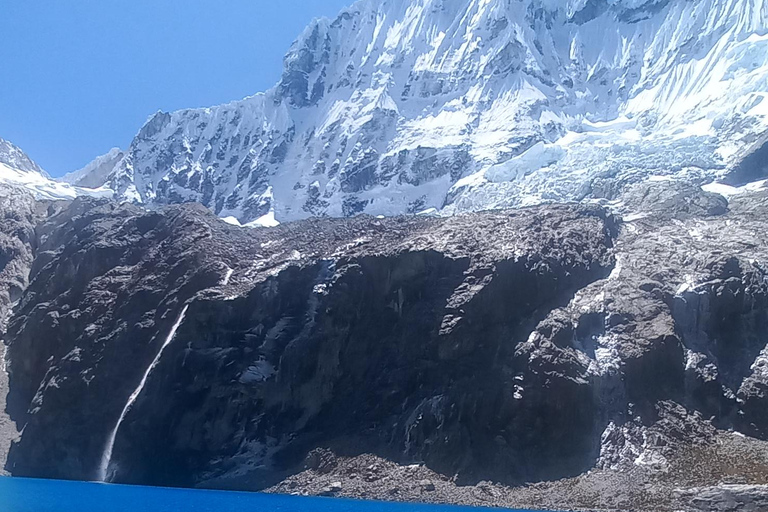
(26, 495)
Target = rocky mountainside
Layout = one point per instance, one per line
(402, 106)
(607, 360)
(16, 254)
(19, 215)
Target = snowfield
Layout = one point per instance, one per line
(43, 187)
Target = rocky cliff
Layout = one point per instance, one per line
(19, 214)
(15, 260)
(276, 321)
(605, 359)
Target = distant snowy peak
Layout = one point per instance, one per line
(19, 172)
(13, 157)
(410, 105)
(95, 174)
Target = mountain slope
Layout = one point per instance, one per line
(96, 172)
(400, 106)
(17, 239)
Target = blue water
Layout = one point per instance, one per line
(25, 495)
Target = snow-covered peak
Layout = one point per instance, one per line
(19, 171)
(95, 174)
(407, 105)
(13, 157)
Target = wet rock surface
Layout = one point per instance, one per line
(551, 357)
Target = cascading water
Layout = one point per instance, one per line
(106, 456)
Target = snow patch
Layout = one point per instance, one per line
(634, 216)
(538, 157)
(227, 276)
(689, 284)
(44, 188)
(265, 221)
(616, 272)
(232, 220)
(729, 191)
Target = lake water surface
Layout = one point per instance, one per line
(26, 495)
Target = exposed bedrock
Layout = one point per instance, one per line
(514, 346)
(405, 333)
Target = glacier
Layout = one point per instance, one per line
(403, 106)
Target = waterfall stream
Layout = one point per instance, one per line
(106, 456)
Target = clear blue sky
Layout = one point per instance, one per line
(78, 77)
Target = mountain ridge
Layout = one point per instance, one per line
(95, 173)
(573, 100)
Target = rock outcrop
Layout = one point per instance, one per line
(729, 498)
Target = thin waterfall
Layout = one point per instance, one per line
(106, 456)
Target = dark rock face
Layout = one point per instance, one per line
(412, 352)
(15, 258)
(97, 315)
(403, 333)
(155, 125)
(521, 346)
(753, 167)
(303, 80)
(18, 216)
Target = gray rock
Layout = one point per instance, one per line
(332, 489)
(728, 498)
(674, 199)
(384, 311)
(427, 485)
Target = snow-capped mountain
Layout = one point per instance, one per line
(18, 170)
(95, 173)
(13, 157)
(407, 105)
